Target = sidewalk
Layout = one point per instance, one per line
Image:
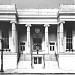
(57, 70)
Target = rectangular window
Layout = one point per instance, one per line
(52, 46)
(22, 46)
(5, 35)
(69, 39)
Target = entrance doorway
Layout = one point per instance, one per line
(38, 62)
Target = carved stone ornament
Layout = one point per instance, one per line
(37, 30)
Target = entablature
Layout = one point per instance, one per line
(64, 13)
(8, 12)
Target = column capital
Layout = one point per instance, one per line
(46, 25)
(28, 25)
(13, 21)
(61, 22)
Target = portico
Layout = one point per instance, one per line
(38, 38)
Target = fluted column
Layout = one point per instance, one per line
(14, 38)
(46, 38)
(28, 38)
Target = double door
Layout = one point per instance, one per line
(37, 61)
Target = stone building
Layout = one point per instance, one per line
(37, 38)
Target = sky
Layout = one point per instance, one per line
(37, 3)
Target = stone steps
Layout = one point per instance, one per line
(51, 57)
(51, 64)
(50, 61)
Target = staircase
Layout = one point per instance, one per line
(25, 61)
(21, 61)
(53, 57)
(51, 61)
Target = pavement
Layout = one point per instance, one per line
(28, 71)
(35, 74)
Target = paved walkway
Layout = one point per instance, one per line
(57, 70)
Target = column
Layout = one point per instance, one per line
(46, 38)
(58, 38)
(28, 38)
(61, 37)
(14, 38)
(0, 39)
(73, 41)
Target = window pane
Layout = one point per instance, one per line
(53, 48)
(23, 47)
(39, 60)
(50, 48)
(35, 60)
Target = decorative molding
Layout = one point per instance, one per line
(46, 25)
(13, 21)
(61, 22)
(28, 25)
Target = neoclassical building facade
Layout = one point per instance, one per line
(37, 38)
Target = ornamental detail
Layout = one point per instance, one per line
(37, 30)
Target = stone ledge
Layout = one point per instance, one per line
(8, 53)
(67, 53)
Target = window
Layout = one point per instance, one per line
(22, 46)
(69, 39)
(52, 46)
(5, 35)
